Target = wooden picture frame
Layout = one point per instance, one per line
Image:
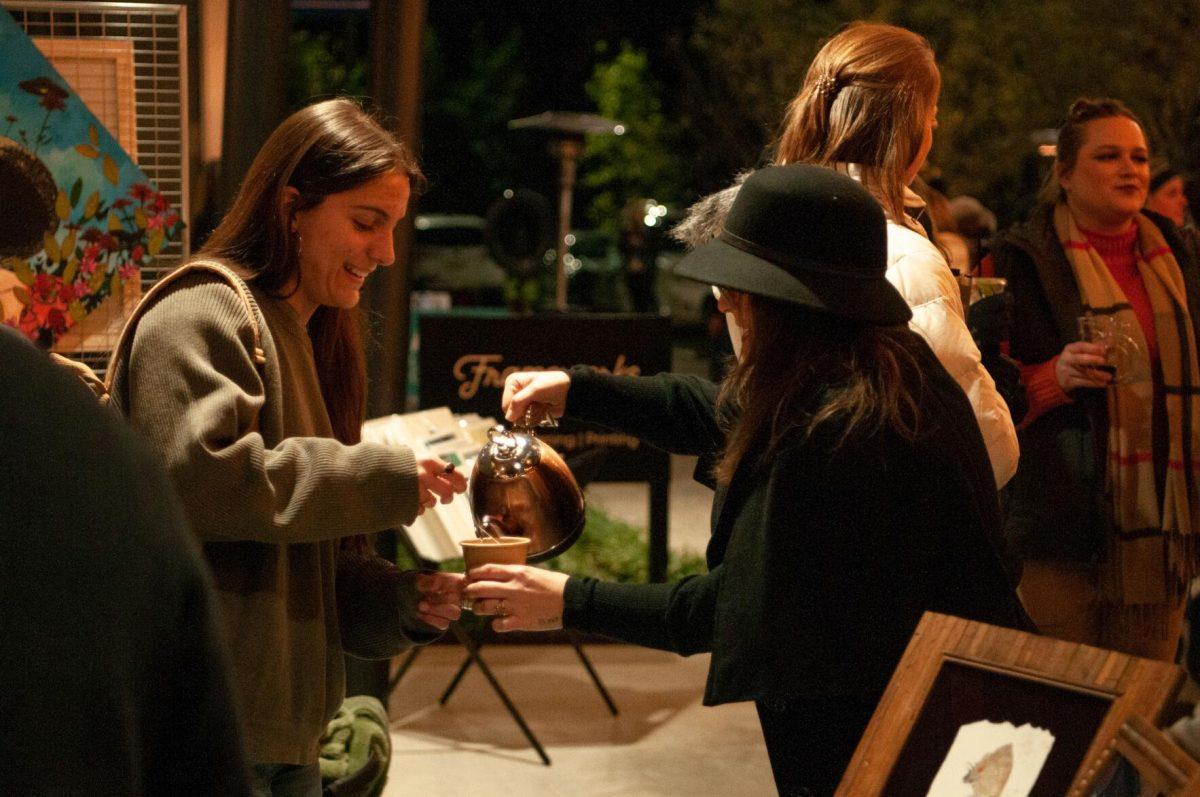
(955, 672)
(1162, 767)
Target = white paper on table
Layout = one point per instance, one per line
(979, 765)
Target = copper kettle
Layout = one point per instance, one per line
(521, 487)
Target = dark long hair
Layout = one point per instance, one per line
(320, 150)
(802, 369)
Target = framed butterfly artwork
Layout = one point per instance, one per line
(974, 710)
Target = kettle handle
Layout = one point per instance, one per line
(527, 423)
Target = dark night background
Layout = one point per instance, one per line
(714, 77)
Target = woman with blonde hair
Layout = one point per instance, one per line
(1105, 508)
(868, 108)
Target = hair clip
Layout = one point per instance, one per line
(827, 84)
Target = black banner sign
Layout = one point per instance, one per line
(465, 357)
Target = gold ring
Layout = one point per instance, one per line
(501, 609)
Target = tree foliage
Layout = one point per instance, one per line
(645, 160)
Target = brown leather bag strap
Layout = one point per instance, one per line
(226, 274)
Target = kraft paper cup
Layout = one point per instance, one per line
(504, 551)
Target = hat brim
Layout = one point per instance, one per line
(871, 301)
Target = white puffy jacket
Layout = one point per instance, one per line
(919, 272)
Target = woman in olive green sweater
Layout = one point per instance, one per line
(264, 446)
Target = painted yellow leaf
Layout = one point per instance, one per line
(92, 204)
(68, 245)
(51, 244)
(93, 135)
(97, 279)
(157, 239)
(87, 151)
(22, 295)
(62, 206)
(139, 216)
(71, 270)
(22, 270)
(114, 222)
(76, 310)
(110, 170)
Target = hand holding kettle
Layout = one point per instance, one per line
(526, 388)
(520, 486)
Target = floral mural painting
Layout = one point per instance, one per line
(79, 219)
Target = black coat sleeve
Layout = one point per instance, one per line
(677, 617)
(674, 412)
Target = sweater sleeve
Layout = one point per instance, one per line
(1043, 390)
(195, 392)
(677, 617)
(377, 607)
(674, 412)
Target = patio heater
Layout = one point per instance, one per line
(567, 130)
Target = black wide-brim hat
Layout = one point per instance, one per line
(806, 235)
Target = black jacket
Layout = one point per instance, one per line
(821, 560)
(113, 669)
(1057, 507)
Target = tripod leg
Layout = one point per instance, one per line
(473, 653)
(587, 665)
(458, 676)
(403, 668)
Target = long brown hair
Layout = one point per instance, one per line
(865, 101)
(323, 149)
(802, 369)
(1071, 136)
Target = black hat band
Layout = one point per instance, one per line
(773, 256)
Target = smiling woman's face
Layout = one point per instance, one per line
(343, 239)
(1108, 184)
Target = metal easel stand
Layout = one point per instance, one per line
(472, 646)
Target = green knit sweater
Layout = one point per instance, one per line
(269, 493)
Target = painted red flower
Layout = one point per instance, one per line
(90, 255)
(138, 253)
(47, 309)
(142, 192)
(129, 271)
(121, 203)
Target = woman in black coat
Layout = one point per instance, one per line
(853, 490)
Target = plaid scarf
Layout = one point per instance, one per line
(1154, 552)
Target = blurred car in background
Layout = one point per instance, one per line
(450, 254)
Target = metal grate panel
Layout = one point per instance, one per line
(158, 35)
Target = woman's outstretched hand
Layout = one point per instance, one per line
(437, 481)
(547, 389)
(521, 598)
(439, 597)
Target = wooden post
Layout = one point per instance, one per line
(255, 86)
(396, 28)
